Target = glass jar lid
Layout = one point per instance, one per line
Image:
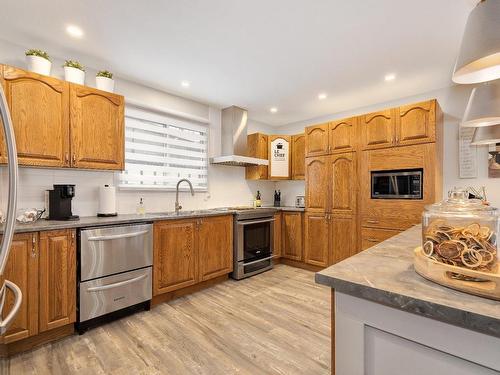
(458, 202)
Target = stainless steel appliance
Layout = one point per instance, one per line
(115, 272)
(300, 201)
(60, 202)
(10, 220)
(397, 184)
(252, 241)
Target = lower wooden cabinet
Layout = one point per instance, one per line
(291, 235)
(316, 239)
(57, 279)
(372, 236)
(190, 251)
(343, 238)
(277, 236)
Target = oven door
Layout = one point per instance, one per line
(255, 239)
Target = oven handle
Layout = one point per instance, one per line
(270, 220)
(118, 236)
(257, 261)
(116, 285)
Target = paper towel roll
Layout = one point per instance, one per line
(107, 201)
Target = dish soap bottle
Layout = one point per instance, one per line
(258, 201)
(141, 208)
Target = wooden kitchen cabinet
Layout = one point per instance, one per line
(342, 183)
(378, 129)
(317, 181)
(280, 168)
(215, 246)
(57, 279)
(22, 269)
(416, 123)
(343, 238)
(292, 235)
(257, 147)
(372, 236)
(175, 263)
(316, 239)
(317, 142)
(97, 128)
(39, 108)
(298, 156)
(342, 135)
(277, 243)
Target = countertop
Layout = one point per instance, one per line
(92, 221)
(384, 274)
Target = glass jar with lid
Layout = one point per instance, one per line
(461, 232)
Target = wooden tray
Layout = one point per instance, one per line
(441, 273)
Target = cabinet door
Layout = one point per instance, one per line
(257, 147)
(292, 235)
(298, 157)
(215, 246)
(317, 140)
(416, 123)
(57, 279)
(317, 183)
(22, 270)
(277, 243)
(175, 264)
(280, 152)
(97, 128)
(343, 238)
(342, 183)
(378, 129)
(39, 108)
(316, 239)
(342, 135)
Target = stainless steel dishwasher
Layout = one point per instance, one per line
(115, 272)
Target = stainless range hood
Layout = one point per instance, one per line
(234, 140)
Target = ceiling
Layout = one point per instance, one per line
(258, 54)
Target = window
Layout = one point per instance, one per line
(160, 150)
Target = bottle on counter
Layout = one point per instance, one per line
(141, 207)
(258, 200)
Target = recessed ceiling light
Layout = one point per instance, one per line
(74, 31)
(390, 77)
(322, 96)
(273, 110)
(185, 84)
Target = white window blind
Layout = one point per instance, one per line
(160, 150)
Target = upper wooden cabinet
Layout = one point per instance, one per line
(257, 147)
(378, 129)
(215, 244)
(316, 239)
(317, 140)
(298, 156)
(97, 138)
(317, 183)
(342, 135)
(22, 269)
(416, 123)
(280, 147)
(342, 182)
(57, 278)
(61, 124)
(292, 235)
(39, 108)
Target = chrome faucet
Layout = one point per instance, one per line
(178, 207)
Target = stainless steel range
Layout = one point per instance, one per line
(252, 241)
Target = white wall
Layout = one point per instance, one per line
(226, 186)
(453, 101)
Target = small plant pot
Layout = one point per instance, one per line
(38, 65)
(105, 84)
(74, 75)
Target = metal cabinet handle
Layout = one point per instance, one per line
(116, 285)
(18, 298)
(74, 159)
(118, 236)
(66, 158)
(372, 221)
(372, 240)
(257, 261)
(256, 221)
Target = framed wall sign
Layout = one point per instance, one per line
(279, 157)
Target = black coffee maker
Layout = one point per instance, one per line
(60, 202)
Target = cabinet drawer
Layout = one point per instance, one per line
(388, 222)
(372, 236)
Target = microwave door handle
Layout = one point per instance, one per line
(394, 183)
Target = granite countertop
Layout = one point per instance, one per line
(289, 208)
(384, 274)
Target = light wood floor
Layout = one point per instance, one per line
(277, 322)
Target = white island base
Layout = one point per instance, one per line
(373, 339)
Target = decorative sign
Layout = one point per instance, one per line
(467, 153)
(494, 161)
(280, 158)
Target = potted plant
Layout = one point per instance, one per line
(104, 81)
(74, 72)
(38, 61)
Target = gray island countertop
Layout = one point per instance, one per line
(384, 274)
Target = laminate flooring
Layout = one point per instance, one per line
(277, 322)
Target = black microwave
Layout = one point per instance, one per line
(397, 184)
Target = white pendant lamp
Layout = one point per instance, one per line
(483, 108)
(479, 58)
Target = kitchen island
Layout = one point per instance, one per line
(387, 319)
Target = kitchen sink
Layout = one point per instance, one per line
(183, 213)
